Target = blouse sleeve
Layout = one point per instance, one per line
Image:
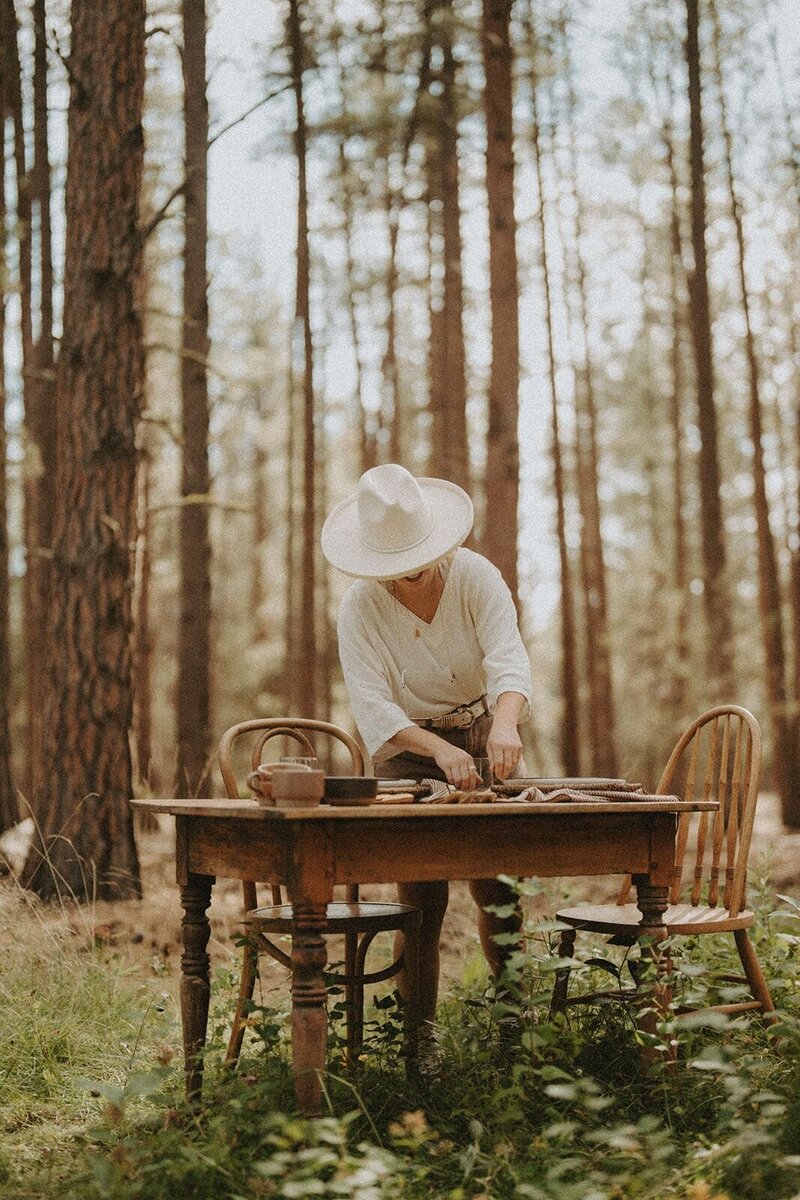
(505, 659)
(376, 714)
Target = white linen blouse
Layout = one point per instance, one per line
(398, 667)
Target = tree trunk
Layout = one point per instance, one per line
(716, 596)
(292, 636)
(262, 521)
(391, 409)
(9, 811)
(33, 617)
(306, 668)
(437, 377)
(793, 149)
(143, 636)
(194, 650)
(84, 813)
(42, 428)
(366, 420)
(786, 764)
(502, 457)
(570, 727)
(593, 572)
(680, 675)
(456, 460)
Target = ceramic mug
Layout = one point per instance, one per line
(298, 788)
(260, 781)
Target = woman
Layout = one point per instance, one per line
(433, 661)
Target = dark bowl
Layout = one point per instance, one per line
(350, 789)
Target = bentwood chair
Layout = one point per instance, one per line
(717, 758)
(360, 922)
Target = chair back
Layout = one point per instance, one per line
(270, 727)
(717, 758)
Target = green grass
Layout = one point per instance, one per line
(522, 1108)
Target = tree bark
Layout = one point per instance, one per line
(42, 426)
(194, 650)
(601, 714)
(450, 451)
(262, 522)
(143, 636)
(715, 593)
(9, 810)
(680, 581)
(306, 668)
(33, 617)
(502, 449)
(84, 813)
(786, 764)
(570, 724)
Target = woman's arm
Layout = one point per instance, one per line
(457, 765)
(503, 746)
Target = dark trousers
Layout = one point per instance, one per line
(431, 896)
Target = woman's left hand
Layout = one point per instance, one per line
(503, 747)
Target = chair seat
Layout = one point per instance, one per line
(678, 918)
(361, 917)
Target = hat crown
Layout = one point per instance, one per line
(393, 511)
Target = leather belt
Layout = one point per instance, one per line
(458, 718)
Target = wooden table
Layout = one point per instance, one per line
(310, 850)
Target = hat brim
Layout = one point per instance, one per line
(345, 549)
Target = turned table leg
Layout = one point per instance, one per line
(195, 981)
(309, 1016)
(652, 901)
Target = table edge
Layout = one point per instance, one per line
(250, 810)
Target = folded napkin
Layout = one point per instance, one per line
(438, 790)
(534, 795)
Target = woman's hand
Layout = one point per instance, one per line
(503, 746)
(457, 765)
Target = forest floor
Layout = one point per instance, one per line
(146, 933)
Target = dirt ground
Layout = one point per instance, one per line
(147, 932)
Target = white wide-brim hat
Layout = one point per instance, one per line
(395, 525)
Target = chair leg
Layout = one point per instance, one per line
(246, 987)
(566, 949)
(411, 1015)
(354, 992)
(755, 976)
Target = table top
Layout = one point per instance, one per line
(251, 810)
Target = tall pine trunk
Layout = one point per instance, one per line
(601, 714)
(9, 812)
(263, 523)
(499, 538)
(143, 635)
(680, 674)
(570, 726)
(455, 460)
(786, 764)
(719, 648)
(194, 648)
(32, 616)
(87, 702)
(42, 427)
(306, 667)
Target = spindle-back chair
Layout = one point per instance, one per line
(358, 921)
(717, 758)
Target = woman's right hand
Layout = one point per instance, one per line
(458, 766)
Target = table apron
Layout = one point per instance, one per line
(547, 845)
(377, 851)
(235, 849)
